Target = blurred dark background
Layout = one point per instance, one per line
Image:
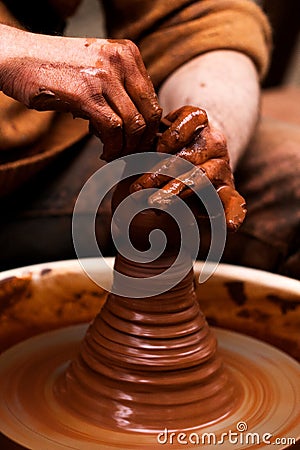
(284, 16)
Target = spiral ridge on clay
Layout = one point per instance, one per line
(149, 361)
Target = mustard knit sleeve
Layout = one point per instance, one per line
(171, 32)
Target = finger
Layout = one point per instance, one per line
(133, 122)
(159, 174)
(190, 181)
(218, 172)
(107, 125)
(198, 152)
(233, 203)
(142, 92)
(148, 180)
(215, 143)
(187, 122)
(149, 108)
(210, 144)
(234, 206)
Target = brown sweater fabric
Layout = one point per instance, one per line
(168, 33)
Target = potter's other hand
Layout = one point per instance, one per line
(188, 135)
(104, 81)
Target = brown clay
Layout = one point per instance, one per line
(152, 360)
(187, 133)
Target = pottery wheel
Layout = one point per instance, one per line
(31, 416)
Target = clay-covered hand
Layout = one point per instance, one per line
(104, 81)
(190, 136)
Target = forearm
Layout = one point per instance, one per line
(17, 44)
(226, 85)
(101, 80)
(26, 53)
(18, 50)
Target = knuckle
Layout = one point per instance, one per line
(123, 50)
(105, 123)
(154, 113)
(215, 141)
(218, 138)
(220, 164)
(131, 46)
(137, 124)
(114, 122)
(115, 57)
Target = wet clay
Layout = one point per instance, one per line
(149, 362)
(187, 133)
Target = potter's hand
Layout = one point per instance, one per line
(104, 81)
(190, 136)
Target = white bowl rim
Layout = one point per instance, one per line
(228, 271)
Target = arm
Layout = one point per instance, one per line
(208, 54)
(101, 80)
(19, 127)
(225, 84)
